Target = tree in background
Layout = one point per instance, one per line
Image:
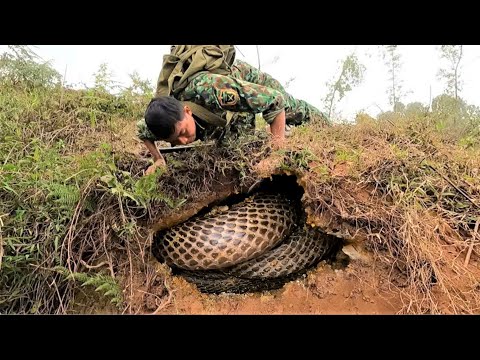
(451, 74)
(351, 75)
(140, 86)
(289, 82)
(104, 79)
(455, 115)
(392, 61)
(21, 66)
(139, 92)
(416, 109)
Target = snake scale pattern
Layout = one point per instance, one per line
(258, 244)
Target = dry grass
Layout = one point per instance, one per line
(408, 195)
(406, 191)
(117, 235)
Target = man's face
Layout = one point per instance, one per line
(185, 129)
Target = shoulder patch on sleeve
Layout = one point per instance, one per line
(228, 97)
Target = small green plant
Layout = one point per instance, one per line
(297, 160)
(260, 122)
(399, 153)
(104, 284)
(342, 155)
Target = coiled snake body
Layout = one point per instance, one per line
(258, 244)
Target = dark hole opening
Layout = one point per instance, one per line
(221, 280)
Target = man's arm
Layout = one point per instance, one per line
(148, 139)
(158, 159)
(277, 127)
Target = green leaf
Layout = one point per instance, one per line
(110, 292)
(9, 167)
(107, 178)
(90, 281)
(104, 286)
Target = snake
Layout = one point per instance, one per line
(257, 244)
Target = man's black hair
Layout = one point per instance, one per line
(162, 114)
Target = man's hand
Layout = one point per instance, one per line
(159, 160)
(151, 169)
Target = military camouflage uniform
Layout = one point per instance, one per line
(246, 92)
(296, 111)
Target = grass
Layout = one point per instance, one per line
(76, 212)
(405, 194)
(75, 209)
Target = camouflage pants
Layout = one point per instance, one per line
(296, 111)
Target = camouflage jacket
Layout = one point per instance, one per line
(246, 92)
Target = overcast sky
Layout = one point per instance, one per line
(311, 66)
